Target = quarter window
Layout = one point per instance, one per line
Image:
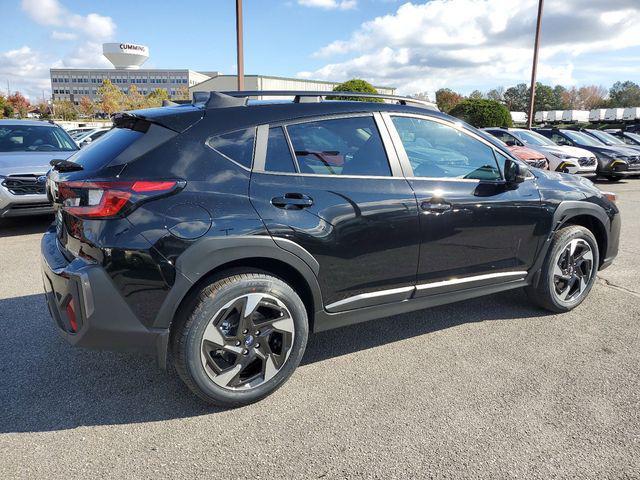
(341, 146)
(237, 146)
(436, 150)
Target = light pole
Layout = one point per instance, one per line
(239, 47)
(532, 97)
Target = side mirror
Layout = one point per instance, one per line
(515, 172)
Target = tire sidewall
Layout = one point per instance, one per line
(210, 305)
(578, 233)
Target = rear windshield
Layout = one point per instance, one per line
(97, 155)
(35, 138)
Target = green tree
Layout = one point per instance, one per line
(43, 110)
(355, 85)
(624, 94)
(111, 99)
(134, 99)
(65, 110)
(517, 98)
(155, 98)
(476, 95)
(496, 94)
(3, 105)
(19, 104)
(482, 113)
(545, 98)
(447, 99)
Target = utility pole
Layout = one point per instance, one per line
(239, 46)
(536, 46)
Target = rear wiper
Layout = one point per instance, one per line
(65, 165)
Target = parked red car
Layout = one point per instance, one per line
(533, 158)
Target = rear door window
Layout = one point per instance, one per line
(341, 146)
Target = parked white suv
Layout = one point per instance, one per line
(561, 158)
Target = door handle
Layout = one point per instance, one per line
(292, 201)
(435, 205)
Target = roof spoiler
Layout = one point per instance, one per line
(218, 100)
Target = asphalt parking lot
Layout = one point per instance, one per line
(489, 388)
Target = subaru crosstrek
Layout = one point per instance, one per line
(219, 234)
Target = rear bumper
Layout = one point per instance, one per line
(103, 319)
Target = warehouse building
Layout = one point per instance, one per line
(221, 83)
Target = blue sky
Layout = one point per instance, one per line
(415, 46)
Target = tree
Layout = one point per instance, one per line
(3, 105)
(517, 98)
(65, 110)
(134, 99)
(87, 107)
(111, 99)
(482, 113)
(592, 96)
(182, 93)
(355, 85)
(43, 110)
(447, 99)
(19, 104)
(496, 94)
(545, 98)
(155, 98)
(624, 94)
(476, 95)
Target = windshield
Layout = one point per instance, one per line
(533, 138)
(606, 138)
(583, 138)
(633, 136)
(35, 138)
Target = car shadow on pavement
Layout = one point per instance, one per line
(11, 227)
(48, 385)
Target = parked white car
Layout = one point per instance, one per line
(597, 114)
(575, 116)
(561, 158)
(631, 114)
(91, 136)
(613, 114)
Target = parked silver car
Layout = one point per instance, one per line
(26, 148)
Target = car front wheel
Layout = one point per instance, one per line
(242, 339)
(569, 270)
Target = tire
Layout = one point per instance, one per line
(557, 289)
(223, 364)
(614, 179)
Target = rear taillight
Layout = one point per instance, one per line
(107, 199)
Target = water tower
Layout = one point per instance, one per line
(128, 56)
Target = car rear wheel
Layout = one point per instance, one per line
(241, 340)
(614, 179)
(569, 270)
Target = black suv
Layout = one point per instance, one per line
(218, 234)
(614, 162)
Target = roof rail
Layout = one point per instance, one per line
(302, 96)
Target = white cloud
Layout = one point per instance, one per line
(468, 44)
(56, 35)
(53, 13)
(27, 69)
(329, 4)
(24, 70)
